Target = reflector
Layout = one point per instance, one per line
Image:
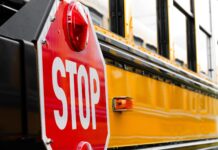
(122, 103)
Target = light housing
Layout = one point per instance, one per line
(77, 26)
(122, 103)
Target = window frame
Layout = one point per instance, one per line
(147, 43)
(208, 32)
(190, 34)
(163, 28)
(117, 16)
(209, 57)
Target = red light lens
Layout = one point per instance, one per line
(77, 25)
(122, 103)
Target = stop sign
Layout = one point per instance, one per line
(73, 98)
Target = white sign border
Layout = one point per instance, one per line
(40, 41)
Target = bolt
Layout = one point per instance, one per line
(49, 141)
(43, 41)
(52, 18)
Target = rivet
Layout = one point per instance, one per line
(43, 41)
(52, 18)
(49, 141)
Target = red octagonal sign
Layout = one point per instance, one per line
(72, 81)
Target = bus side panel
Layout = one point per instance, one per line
(162, 112)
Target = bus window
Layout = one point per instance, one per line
(99, 11)
(203, 53)
(205, 15)
(203, 40)
(108, 14)
(183, 33)
(180, 36)
(145, 22)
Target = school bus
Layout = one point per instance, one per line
(154, 54)
(161, 67)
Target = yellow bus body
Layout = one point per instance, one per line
(162, 112)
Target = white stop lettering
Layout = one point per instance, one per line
(81, 74)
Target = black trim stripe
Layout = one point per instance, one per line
(126, 55)
(124, 47)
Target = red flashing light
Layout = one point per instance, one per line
(122, 103)
(77, 25)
